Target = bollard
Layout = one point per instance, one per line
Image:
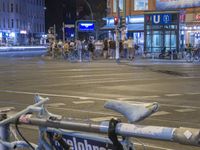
(4, 132)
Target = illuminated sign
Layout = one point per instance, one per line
(23, 32)
(86, 26)
(159, 19)
(136, 19)
(175, 4)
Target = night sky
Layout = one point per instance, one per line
(59, 11)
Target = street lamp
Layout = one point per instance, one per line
(89, 6)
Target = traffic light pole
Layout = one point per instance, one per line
(117, 57)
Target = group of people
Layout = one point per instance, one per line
(127, 48)
(105, 48)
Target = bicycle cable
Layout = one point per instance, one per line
(20, 134)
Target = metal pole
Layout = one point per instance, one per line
(117, 33)
(88, 4)
(63, 28)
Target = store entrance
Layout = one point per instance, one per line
(161, 34)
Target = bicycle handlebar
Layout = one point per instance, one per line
(32, 108)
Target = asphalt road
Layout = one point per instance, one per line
(79, 90)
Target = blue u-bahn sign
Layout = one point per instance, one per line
(159, 19)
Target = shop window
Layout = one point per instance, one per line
(12, 23)
(11, 7)
(141, 5)
(121, 3)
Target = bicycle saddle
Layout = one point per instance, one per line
(133, 112)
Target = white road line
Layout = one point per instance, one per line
(171, 95)
(92, 98)
(192, 93)
(82, 102)
(56, 104)
(100, 75)
(152, 146)
(137, 97)
(161, 113)
(185, 110)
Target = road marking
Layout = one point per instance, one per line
(83, 102)
(171, 95)
(100, 75)
(152, 146)
(192, 93)
(93, 98)
(100, 119)
(56, 104)
(161, 113)
(185, 110)
(137, 97)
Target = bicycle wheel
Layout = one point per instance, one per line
(196, 58)
(188, 57)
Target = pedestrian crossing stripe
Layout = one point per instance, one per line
(82, 102)
(160, 113)
(185, 110)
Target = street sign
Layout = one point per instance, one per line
(90, 26)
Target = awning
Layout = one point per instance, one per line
(106, 27)
(130, 27)
(135, 27)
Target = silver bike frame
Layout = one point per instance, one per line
(48, 122)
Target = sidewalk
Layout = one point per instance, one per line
(22, 51)
(146, 61)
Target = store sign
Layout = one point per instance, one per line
(175, 4)
(136, 19)
(159, 19)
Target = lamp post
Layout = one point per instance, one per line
(32, 29)
(89, 6)
(117, 57)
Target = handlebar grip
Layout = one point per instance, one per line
(188, 136)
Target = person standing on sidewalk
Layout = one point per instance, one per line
(105, 49)
(131, 50)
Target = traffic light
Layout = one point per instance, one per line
(123, 22)
(116, 20)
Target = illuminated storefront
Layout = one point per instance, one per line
(190, 18)
(161, 31)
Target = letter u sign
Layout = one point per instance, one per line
(156, 19)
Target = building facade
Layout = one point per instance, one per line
(21, 21)
(158, 24)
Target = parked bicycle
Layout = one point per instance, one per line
(192, 55)
(58, 133)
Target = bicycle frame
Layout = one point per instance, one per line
(80, 135)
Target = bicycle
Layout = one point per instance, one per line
(57, 133)
(192, 56)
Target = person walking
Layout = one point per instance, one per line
(131, 49)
